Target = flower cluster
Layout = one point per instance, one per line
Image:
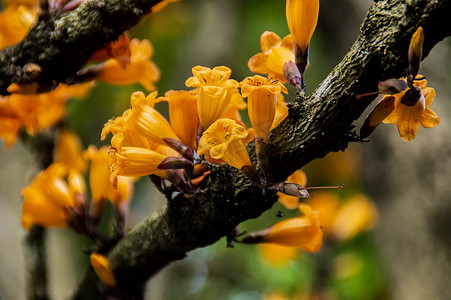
(37, 107)
(57, 196)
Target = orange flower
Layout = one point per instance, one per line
(344, 221)
(140, 69)
(36, 112)
(303, 232)
(302, 16)
(144, 119)
(49, 197)
(223, 140)
(102, 267)
(15, 21)
(183, 115)
(275, 53)
(292, 202)
(262, 100)
(133, 161)
(215, 91)
(409, 118)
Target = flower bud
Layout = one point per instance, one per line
(412, 96)
(415, 51)
(391, 86)
(292, 189)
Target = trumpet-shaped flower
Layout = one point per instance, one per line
(223, 140)
(140, 69)
(49, 197)
(215, 91)
(292, 202)
(134, 161)
(303, 232)
(409, 118)
(262, 102)
(148, 121)
(102, 267)
(302, 16)
(275, 53)
(183, 115)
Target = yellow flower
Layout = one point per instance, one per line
(302, 16)
(15, 21)
(292, 202)
(277, 255)
(140, 69)
(215, 91)
(223, 140)
(102, 267)
(275, 53)
(303, 232)
(409, 118)
(48, 198)
(68, 150)
(183, 115)
(148, 121)
(262, 101)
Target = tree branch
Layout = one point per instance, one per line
(63, 43)
(316, 125)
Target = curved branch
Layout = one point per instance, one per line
(61, 44)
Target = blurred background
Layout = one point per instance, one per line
(403, 252)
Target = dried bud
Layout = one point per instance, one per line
(291, 73)
(391, 86)
(180, 147)
(412, 96)
(292, 189)
(301, 58)
(172, 162)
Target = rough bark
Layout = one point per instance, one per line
(316, 125)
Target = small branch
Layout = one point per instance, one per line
(63, 43)
(41, 147)
(35, 262)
